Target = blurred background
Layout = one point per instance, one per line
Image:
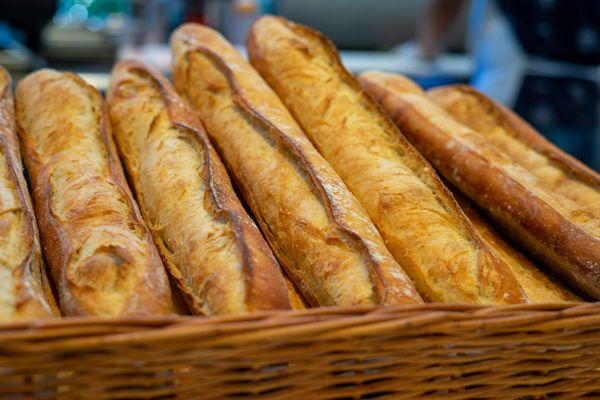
(539, 57)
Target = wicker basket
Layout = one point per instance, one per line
(434, 350)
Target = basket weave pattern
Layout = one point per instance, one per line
(439, 350)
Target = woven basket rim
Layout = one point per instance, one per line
(459, 350)
(327, 322)
(149, 320)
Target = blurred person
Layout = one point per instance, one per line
(539, 57)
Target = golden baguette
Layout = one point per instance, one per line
(212, 248)
(297, 302)
(538, 286)
(554, 227)
(420, 221)
(24, 288)
(556, 170)
(320, 234)
(99, 250)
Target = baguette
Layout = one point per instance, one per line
(561, 230)
(297, 302)
(98, 248)
(211, 247)
(25, 292)
(557, 171)
(321, 235)
(420, 221)
(537, 285)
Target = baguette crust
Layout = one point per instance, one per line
(25, 292)
(423, 226)
(212, 248)
(538, 286)
(296, 300)
(98, 248)
(553, 227)
(318, 231)
(557, 171)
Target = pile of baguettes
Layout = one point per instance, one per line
(348, 211)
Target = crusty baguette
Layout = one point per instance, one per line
(24, 288)
(556, 170)
(320, 234)
(97, 246)
(423, 226)
(539, 287)
(212, 248)
(556, 228)
(296, 300)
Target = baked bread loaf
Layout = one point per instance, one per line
(556, 170)
(96, 244)
(420, 221)
(297, 302)
(320, 234)
(539, 287)
(544, 199)
(24, 288)
(212, 248)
